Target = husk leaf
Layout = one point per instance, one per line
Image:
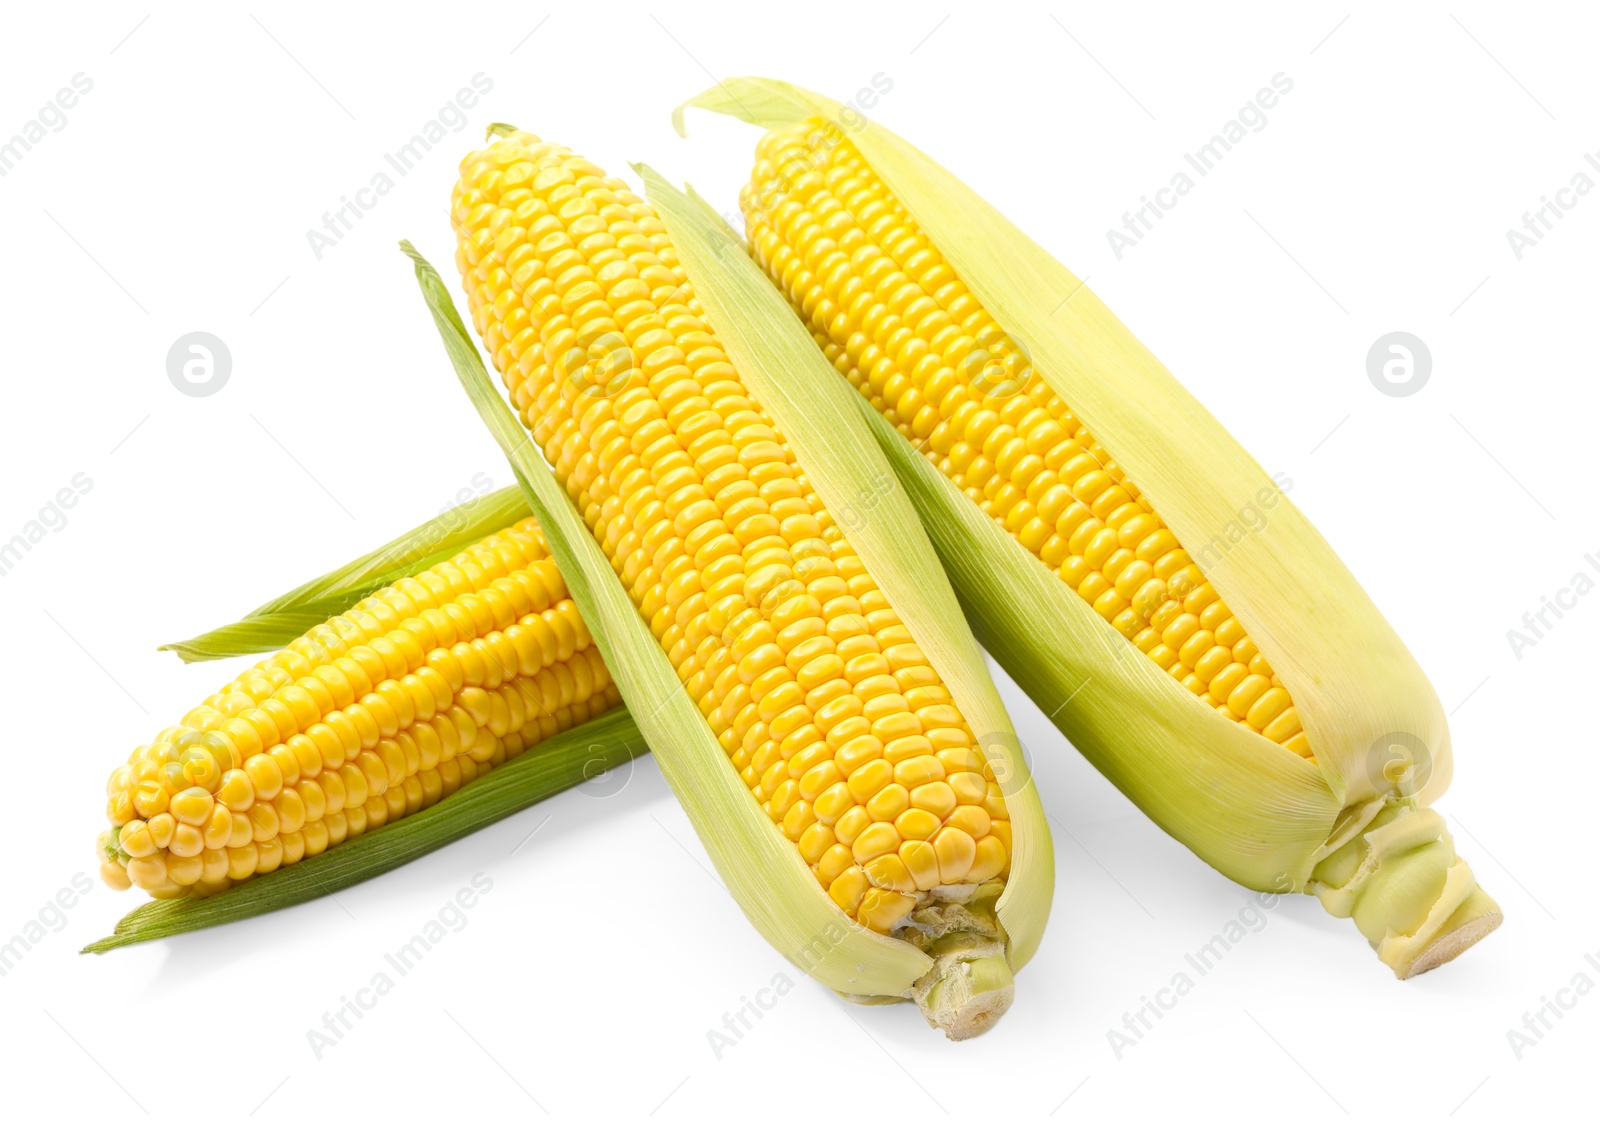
(1255, 811)
(764, 873)
(567, 759)
(281, 620)
(817, 416)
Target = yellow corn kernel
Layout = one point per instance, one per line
(880, 910)
(352, 725)
(896, 320)
(956, 852)
(798, 661)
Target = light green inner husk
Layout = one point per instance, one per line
(817, 416)
(567, 759)
(279, 621)
(762, 870)
(1253, 810)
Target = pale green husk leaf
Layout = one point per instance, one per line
(580, 754)
(1253, 810)
(761, 868)
(281, 620)
(1348, 672)
(817, 416)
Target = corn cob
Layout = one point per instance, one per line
(1022, 463)
(378, 713)
(854, 744)
(894, 319)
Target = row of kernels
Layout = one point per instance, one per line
(326, 698)
(883, 298)
(169, 856)
(696, 501)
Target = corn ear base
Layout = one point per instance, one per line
(770, 881)
(817, 414)
(1352, 828)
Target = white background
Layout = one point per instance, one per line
(1377, 198)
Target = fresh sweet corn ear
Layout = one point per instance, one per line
(367, 718)
(828, 691)
(894, 319)
(803, 669)
(1242, 690)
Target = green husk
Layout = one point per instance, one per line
(1248, 807)
(570, 758)
(281, 620)
(817, 416)
(767, 877)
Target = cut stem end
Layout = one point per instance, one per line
(964, 995)
(1402, 883)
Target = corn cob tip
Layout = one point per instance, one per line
(368, 717)
(820, 697)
